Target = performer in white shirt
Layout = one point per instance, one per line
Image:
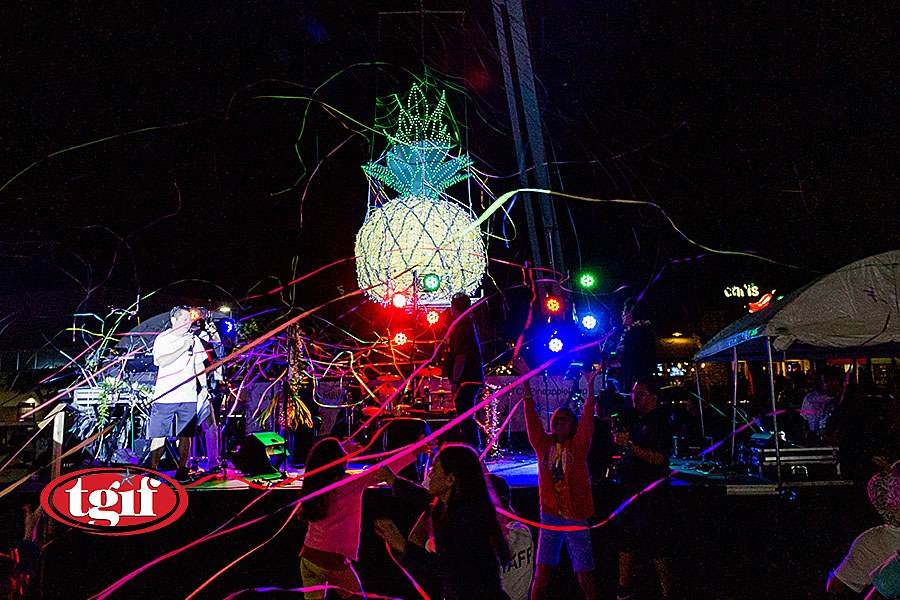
(180, 385)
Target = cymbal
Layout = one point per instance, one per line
(434, 371)
(389, 377)
(441, 392)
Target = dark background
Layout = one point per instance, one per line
(139, 150)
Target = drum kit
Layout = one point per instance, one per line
(426, 393)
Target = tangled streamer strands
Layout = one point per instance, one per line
(420, 232)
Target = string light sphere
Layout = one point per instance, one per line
(416, 234)
(420, 233)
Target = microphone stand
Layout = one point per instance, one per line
(285, 394)
(546, 411)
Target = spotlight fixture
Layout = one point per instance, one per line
(553, 304)
(399, 300)
(431, 282)
(555, 344)
(587, 280)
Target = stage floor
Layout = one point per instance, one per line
(519, 470)
(740, 545)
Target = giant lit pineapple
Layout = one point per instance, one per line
(422, 241)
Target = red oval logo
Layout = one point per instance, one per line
(115, 500)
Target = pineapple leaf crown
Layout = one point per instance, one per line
(418, 160)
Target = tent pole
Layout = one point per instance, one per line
(774, 410)
(734, 383)
(700, 404)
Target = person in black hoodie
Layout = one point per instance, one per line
(645, 525)
(635, 353)
(469, 545)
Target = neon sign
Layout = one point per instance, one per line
(746, 290)
(761, 303)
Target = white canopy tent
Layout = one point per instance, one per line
(852, 312)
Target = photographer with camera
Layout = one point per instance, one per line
(180, 385)
(205, 329)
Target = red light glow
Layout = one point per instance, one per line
(761, 304)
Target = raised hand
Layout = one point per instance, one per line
(520, 367)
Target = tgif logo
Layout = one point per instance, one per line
(115, 500)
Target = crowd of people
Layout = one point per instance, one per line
(468, 542)
(465, 548)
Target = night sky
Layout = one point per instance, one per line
(766, 127)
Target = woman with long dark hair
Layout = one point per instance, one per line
(332, 541)
(468, 541)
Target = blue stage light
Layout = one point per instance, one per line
(589, 322)
(555, 344)
(227, 327)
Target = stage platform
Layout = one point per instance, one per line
(519, 470)
(739, 537)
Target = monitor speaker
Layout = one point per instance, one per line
(261, 453)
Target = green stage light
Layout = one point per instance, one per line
(431, 282)
(587, 280)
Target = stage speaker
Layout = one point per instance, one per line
(260, 453)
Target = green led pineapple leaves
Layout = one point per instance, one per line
(418, 162)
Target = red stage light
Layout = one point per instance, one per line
(399, 300)
(433, 317)
(553, 304)
(400, 339)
